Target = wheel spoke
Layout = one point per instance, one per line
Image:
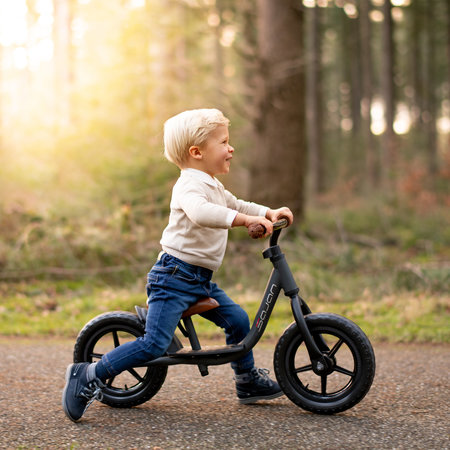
(303, 369)
(136, 375)
(335, 348)
(110, 381)
(344, 371)
(323, 384)
(115, 338)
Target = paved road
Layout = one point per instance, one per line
(407, 407)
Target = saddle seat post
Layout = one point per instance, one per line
(199, 307)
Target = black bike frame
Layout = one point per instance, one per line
(281, 278)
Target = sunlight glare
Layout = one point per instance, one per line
(378, 123)
(79, 28)
(397, 14)
(44, 7)
(228, 36)
(13, 23)
(309, 3)
(402, 122)
(33, 42)
(20, 58)
(41, 52)
(213, 20)
(135, 4)
(443, 125)
(347, 124)
(401, 2)
(350, 10)
(376, 16)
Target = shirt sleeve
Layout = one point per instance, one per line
(244, 207)
(194, 202)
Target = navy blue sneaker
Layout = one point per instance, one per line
(78, 392)
(256, 385)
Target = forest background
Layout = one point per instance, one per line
(339, 109)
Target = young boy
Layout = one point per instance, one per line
(193, 246)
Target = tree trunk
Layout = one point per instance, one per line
(429, 115)
(277, 166)
(372, 163)
(352, 67)
(448, 61)
(314, 113)
(387, 83)
(416, 64)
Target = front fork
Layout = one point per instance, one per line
(321, 363)
(316, 347)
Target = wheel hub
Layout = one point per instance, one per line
(324, 366)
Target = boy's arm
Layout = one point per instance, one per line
(193, 200)
(254, 209)
(272, 215)
(195, 204)
(242, 206)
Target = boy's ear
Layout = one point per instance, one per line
(195, 152)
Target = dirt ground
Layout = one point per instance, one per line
(407, 407)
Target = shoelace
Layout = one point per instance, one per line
(261, 373)
(93, 391)
(255, 373)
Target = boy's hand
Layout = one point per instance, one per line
(252, 222)
(276, 214)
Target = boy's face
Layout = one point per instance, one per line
(216, 152)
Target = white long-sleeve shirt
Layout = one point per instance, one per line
(201, 212)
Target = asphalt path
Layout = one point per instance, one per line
(407, 407)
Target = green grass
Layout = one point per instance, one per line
(57, 309)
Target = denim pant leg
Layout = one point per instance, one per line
(170, 295)
(235, 322)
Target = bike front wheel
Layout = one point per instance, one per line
(102, 334)
(352, 365)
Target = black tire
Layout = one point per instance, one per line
(346, 383)
(103, 333)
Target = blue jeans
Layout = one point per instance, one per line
(173, 286)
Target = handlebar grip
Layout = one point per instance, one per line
(282, 223)
(256, 231)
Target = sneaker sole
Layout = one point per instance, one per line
(68, 371)
(246, 401)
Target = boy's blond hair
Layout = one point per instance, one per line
(187, 129)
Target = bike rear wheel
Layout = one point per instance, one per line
(346, 382)
(105, 332)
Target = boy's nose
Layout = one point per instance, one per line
(230, 148)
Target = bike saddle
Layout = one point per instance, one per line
(201, 306)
